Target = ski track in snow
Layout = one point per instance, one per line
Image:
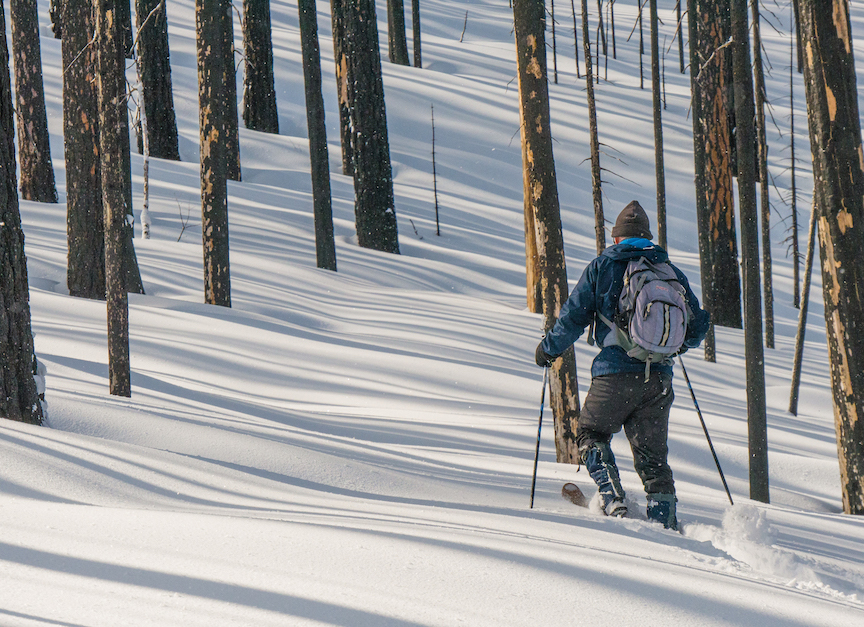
(355, 448)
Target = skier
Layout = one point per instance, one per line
(631, 381)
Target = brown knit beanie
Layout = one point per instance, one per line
(632, 222)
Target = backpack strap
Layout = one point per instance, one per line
(618, 337)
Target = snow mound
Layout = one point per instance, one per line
(749, 539)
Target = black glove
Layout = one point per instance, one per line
(543, 359)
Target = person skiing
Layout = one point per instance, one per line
(631, 377)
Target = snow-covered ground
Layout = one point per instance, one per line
(356, 448)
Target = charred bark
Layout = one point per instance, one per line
(155, 65)
(762, 152)
(325, 245)
(55, 14)
(415, 22)
(802, 314)
(374, 210)
(753, 352)
(594, 141)
(710, 74)
(85, 231)
(215, 71)
(85, 220)
(123, 16)
(341, 59)
(545, 240)
(34, 151)
(111, 87)
(793, 200)
(229, 97)
(259, 91)
(659, 168)
(838, 172)
(19, 396)
(397, 46)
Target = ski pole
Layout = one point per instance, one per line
(539, 428)
(705, 429)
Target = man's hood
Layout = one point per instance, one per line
(634, 248)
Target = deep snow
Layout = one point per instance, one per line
(356, 448)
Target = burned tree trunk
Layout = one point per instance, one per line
(19, 396)
(55, 14)
(85, 273)
(659, 169)
(259, 91)
(341, 58)
(325, 245)
(753, 351)
(542, 213)
(712, 148)
(155, 66)
(123, 16)
(229, 96)
(765, 206)
(594, 142)
(397, 46)
(34, 152)
(374, 209)
(84, 226)
(415, 21)
(798, 46)
(802, 314)
(111, 87)
(793, 185)
(838, 171)
(214, 58)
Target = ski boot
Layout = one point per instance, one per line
(661, 508)
(600, 462)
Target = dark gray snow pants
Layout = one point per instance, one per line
(626, 400)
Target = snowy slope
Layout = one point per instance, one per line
(356, 448)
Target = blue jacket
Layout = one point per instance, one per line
(598, 290)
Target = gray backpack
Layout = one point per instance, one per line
(652, 316)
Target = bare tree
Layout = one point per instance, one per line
(757, 423)
(797, 360)
(155, 74)
(85, 222)
(374, 210)
(215, 71)
(543, 235)
(85, 273)
(341, 58)
(793, 185)
(123, 15)
(415, 22)
(259, 91)
(325, 245)
(594, 141)
(710, 77)
(19, 396)
(838, 172)
(111, 87)
(396, 43)
(37, 169)
(680, 30)
(659, 168)
(229, 97)
(765, 203)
